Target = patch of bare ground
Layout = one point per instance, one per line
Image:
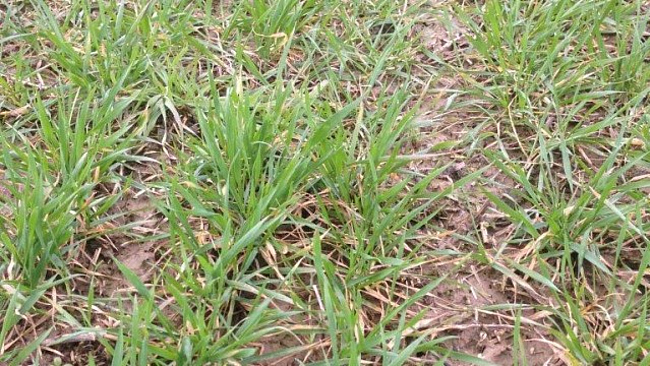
(304, 349)
(476, 304)
(459, 306)
(469, 310)
(464, 305)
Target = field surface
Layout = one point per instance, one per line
(319, 182)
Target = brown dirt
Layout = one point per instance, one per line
(484, 333)
(461, 306)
